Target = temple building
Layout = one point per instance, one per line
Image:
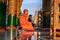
(49, 17)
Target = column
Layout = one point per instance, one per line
(2, 13)
(12, 8)
(56, 12)
(19, 4)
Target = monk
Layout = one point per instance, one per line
(26, 26)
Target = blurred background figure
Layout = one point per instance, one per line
(34, 25)
(31, 20)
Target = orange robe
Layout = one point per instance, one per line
(26, 25)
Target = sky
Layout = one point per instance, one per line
(31, 5)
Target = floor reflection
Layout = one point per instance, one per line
(43, 35)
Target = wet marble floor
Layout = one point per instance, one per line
(44, 35)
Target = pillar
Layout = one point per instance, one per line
(2, 14)
(46, 16)
(19, 4)
(51, 19)
(56, 12)
(13, 15)
(12, 8)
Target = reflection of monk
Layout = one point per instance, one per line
(26, 25)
